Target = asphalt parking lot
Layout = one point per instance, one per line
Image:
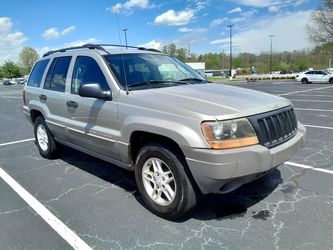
(290, 208)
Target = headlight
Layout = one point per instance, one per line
(229, 134)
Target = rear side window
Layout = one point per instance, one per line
(56, 76)
(37, 73)
(86, 70)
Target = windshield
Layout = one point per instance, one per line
(151, 70)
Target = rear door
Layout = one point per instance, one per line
(54, 96)
(92, 122)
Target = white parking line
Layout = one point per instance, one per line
(314, 126)
(308, 167)
(319, 110)
(316, 95)
(303, 91)
(66, 233)
(15, 142)
(307, 100)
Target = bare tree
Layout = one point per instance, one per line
(320, 31)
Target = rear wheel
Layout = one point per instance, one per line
(304, 81)
(163, 183)
(331, 81)
(47, 146)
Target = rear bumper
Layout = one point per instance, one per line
(221, 171)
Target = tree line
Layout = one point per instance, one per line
(28, 56)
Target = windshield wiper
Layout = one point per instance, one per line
(148, 82)
(194, 79)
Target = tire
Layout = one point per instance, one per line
(331, 81)
(304, 81)
(47, 146)
(171, 199)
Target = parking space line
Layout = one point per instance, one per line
(308, 167)
(16, 142)
(319, 110)
(316, 95)
(66, 233)
(303, 91)
(308, 100)
(314, 126)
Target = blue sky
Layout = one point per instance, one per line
(203, 24)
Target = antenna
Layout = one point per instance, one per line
(122, 55)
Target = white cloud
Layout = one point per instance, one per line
(6, 25)
(185, 29)
(152, 45)
(128, 6)
(289, 31)
(54, 33)
(235, 10)
(172, 17)
(81, 42)
(272, 5)
(218, 21)
(11, 42)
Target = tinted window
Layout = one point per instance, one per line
(49, 74)
(58, 74)
(37, 73)
(309, 73)
(86, 70)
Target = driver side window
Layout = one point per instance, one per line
(86, 70)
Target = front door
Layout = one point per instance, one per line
(92, 122)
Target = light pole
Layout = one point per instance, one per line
(230, 27)
(270, 59)
(125, 32)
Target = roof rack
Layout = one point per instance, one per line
(98, 47)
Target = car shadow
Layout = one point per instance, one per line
(210, 207)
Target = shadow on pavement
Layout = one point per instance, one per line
(210, 207)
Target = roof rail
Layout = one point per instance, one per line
(98, 47)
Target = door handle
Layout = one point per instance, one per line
(43, 97)
(72, 104)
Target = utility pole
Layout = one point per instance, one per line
(270, 59)
(230, 27)
(125, 32)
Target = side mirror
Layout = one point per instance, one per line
(94, 90)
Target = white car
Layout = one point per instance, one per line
(315, 76)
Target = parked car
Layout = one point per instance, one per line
(7, 82)
(315, 76)
(283, 72)
(142, 110)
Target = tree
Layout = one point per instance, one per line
(10, 70)
(321, 29)
(170, 49)
(28, 57)
(181, 54)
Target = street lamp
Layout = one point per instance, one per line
(125, 32)
(270, 59)
(230, 27)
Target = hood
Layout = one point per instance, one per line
(207, 101)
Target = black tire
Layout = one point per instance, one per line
(185, 196)
(53, 149)
(331, 81)
(304, 81)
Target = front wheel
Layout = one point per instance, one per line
(163, 183)
(47, 146)
(331, 81)
(304, 81)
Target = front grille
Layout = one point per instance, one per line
(276, 127)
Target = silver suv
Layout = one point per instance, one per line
(144, 111)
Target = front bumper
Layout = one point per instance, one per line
(222, 171)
